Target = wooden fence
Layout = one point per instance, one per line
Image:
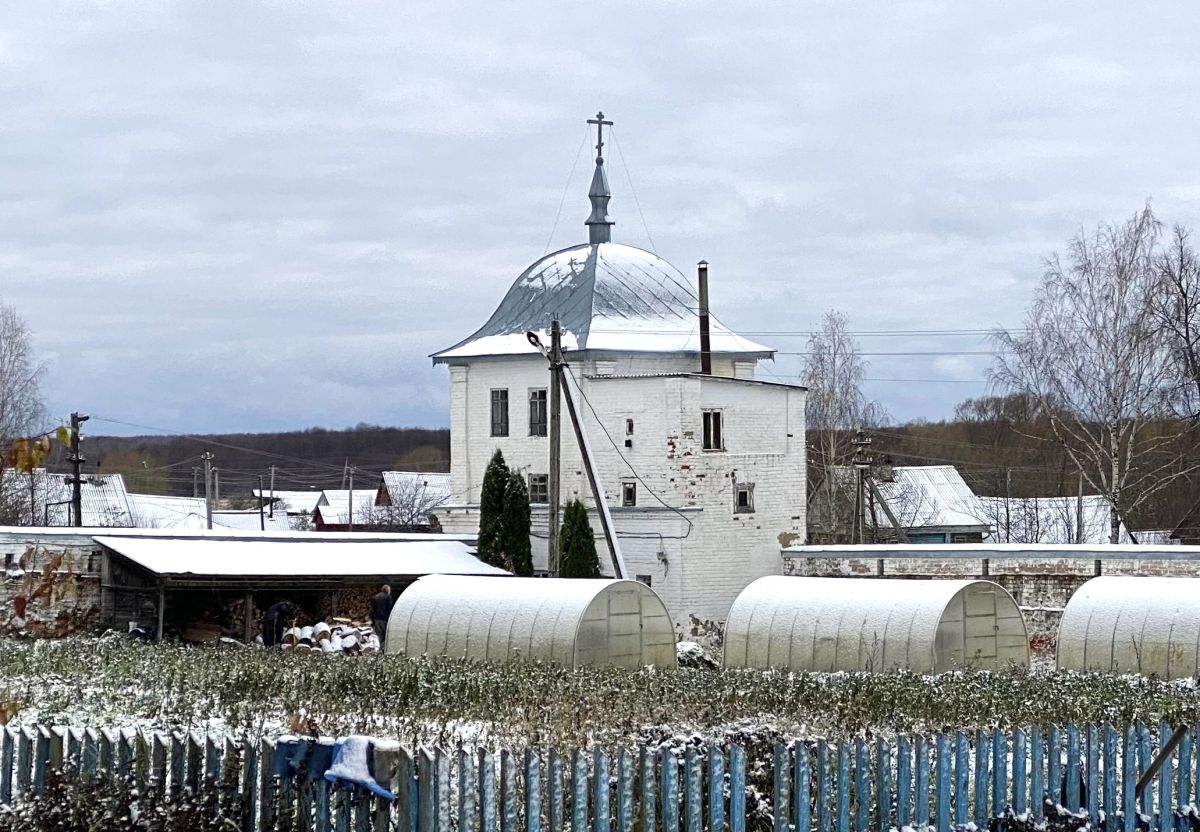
(946, 781)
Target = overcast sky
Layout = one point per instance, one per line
(244, 216)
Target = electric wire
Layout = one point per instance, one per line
(632, 190)
(628, 464)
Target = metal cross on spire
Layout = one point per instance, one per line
(598, 223)
(600, 124)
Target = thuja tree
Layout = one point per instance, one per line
(515, 526)
(577, 544)
(491, 511)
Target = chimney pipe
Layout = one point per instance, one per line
(705, 345)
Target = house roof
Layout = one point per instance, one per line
(334, 505)
(606, 296)
(297, 502)
(155, 511)
(420, 490)
(301, 557)
(924, 497)
(103, 498)
(1050, 519)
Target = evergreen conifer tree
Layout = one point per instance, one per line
(515, 526)
(577, 544)
(491, 511)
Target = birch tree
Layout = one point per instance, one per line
(1176, 303)
(21, 414)
(1095, 358)
(835, 407)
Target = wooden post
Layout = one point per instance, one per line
(162, 603)
(248, 613)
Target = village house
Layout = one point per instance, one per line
(703, 466)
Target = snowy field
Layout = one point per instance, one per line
(119, 683)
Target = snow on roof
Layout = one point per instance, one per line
(296, 502)
(734, 379)
(925, 496)
(156, 511)
(1050, 519)
(45, 498)
(420, 491)
(607, 296)
(334, 505)
(303, 556)
(1023, 551)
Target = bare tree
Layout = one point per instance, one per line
(1177, 306)
(21, 415)
(410, 503)
(834, 408)
(1095, 358)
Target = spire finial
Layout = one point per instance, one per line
(598, 223)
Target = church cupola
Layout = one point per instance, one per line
(598, 223)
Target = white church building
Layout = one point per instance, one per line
(704, 473)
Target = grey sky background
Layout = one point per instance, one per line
(226, 216)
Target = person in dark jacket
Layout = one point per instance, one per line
(381, 610)
(275, 620)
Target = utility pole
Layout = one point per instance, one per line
(350, 507)
(272, 492)
(554, 492)
(217, 487)
(262, 523)
(862, 462)
(195, 482)
(1007, 497)
(76, 459)
(207, 456)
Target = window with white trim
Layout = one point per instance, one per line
(500, 412)
(629, 493)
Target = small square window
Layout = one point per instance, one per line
(714, 439)
(644, 579)
(629, 493)
(629, 427)
(537, 412)
(744, 498)
(499, 413)
(539, 488)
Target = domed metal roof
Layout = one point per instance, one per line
(606, 296)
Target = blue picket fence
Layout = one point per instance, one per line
(944, 781)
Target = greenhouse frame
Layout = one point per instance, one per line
(872, 624)
(573, 622)
(1128, 624)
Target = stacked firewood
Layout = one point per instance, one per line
(341, 636)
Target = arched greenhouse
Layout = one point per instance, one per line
(573, 622)
(832, 624)
(1133, 625)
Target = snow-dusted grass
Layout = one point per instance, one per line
(122, 683)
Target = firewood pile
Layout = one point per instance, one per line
(341, 636)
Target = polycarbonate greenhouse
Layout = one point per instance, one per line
(832, 624)
(573, 622)
(1133, 625)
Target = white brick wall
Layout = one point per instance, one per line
(698, 571)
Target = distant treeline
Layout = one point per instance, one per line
(315, 458)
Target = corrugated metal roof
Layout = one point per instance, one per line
(334, 506)
(922, 497)
(295, 502)
(420, 491)
(45, 498)
(607, 297)
(341, 557)
(155, 511)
